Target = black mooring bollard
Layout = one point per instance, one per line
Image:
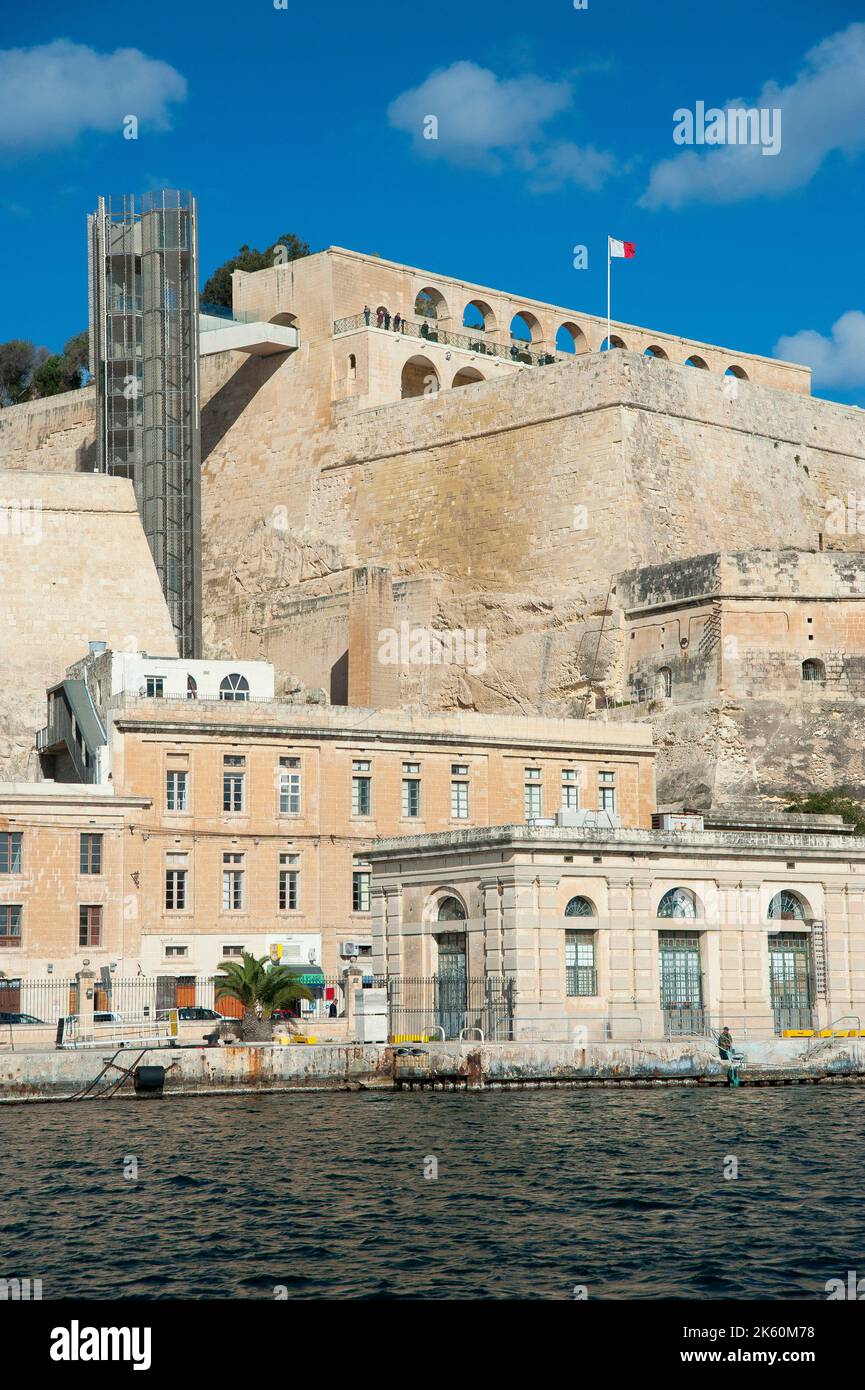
(149, 1081)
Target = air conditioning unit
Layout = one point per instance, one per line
(348, 948)
(688, 821)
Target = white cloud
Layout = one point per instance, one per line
(486, 121)
(563, 162)
(835, 361)
(823, 110)
(52, 94)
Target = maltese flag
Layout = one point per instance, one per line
(622, 248)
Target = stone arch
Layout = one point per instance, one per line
(419, 378)
(654, 351)
(466, 376)
(665, 679)
(570, 338)
(351, 367)
(813, 670)
(615, 342)
(528, 327)
(479, 317)
(736, 371)
(430, 303)
(445, 904)
(696, 361)
(284, 320)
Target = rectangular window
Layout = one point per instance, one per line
(361, 788)
(232, 882)
(174, 952)
(580, 975)
(360, 879)
(90, 926)
(176, 791)
(155, 686)
(10, 924)
(411, 789)
(289, 882)
(607, 791)
(232, 951)
(459, 791)
(570, 789)
(10, 851)
(175, 889)
(233, 783)
(90, 860)
(289, 786)
(533, 792)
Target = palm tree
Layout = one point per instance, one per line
(260, 987)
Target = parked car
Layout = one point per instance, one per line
(195, 1013)
(19, 1018)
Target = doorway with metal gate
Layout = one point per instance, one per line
(451, 991)
(790, 980)
(681, 984)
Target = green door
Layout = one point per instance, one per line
(790, 980)
(681, 983)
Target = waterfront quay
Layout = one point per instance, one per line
(190, 1069)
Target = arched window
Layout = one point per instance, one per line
(234, 687)
(580, 907)
(665, 677)
(786, 906)
(480, 316)
(695, 361)
(737, 372)
(451, 910)
(678, 902)
(613, 342)
(352, 366)
(419, 378)
(525, 328)
(430, 304)
(191, 688)
(813, 670)
(571, 339)
(655, 351)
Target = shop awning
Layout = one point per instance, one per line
(310, 975)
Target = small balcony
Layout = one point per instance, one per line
(222, 331)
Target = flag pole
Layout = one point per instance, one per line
(608, 293)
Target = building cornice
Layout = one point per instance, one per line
(579, 743)
(667, 844)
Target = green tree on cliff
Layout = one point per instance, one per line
(218, 287)
(840, 801)
(18, 361)
(28, 372)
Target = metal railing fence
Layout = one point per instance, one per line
(428, 331)
(150, 997)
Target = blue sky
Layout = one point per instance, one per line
(555, 128)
